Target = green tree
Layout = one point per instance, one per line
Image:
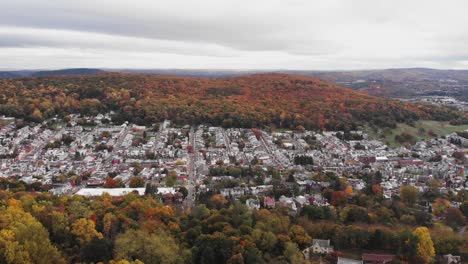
(265, 241)
(409, 194)
(97, 250)
(464, 208)
(171, 178)
(292, 253)
(454, 217)
(136, 182)
(149, 248)
(183, 191)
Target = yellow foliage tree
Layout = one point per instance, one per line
(109, 221)
(84, 230)
(299, 236)
(36, 115)
(425, 247)
(23, 239)
(440, 205)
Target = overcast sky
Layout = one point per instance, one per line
(238, 34)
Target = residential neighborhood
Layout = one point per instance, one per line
(73, 156)
(186, 165)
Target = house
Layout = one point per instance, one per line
(381, 159)
(348, 261)
(269, 202)
(288, 202)
(450, 259)
(233, 192)
(253, 204)
(409, 162)
(367, 159)
(319, 200)
(301, 201)
(306, 252)
(377, 258)
(165, 190)
(321, 246)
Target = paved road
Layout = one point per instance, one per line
(192, 173)
(269, 151)
(117, 146)
(227, 142)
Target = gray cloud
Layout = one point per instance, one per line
(331, 34)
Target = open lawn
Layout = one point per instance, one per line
(421, 130)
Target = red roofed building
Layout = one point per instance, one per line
(377, 258)
(182, 177)
(403, 163)
(366, 159)
(269, 202)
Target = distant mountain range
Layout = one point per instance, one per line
(397, 75)
(15, 74)
(403, 82)
(40, 73)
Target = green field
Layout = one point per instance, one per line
(421, 130)
(4, 123)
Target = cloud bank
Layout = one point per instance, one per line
(255, 34)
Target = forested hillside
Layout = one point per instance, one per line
(273, 100)
(41, 228)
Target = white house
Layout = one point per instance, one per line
(321, 246)
(253, 204)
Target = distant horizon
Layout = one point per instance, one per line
(234, 69)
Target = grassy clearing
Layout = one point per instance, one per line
(421, 130)
(282, 130)
(4, 123)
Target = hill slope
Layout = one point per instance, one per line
(400, 82)
(277, 100)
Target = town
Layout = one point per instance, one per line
(87, 155)
(441, 100)
(183, 165)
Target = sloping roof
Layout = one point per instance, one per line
(321, 242)
(269, 200)
(452, 259)
(348, 261)
(377, 257)
(164, 190)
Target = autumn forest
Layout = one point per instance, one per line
(263, 100)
